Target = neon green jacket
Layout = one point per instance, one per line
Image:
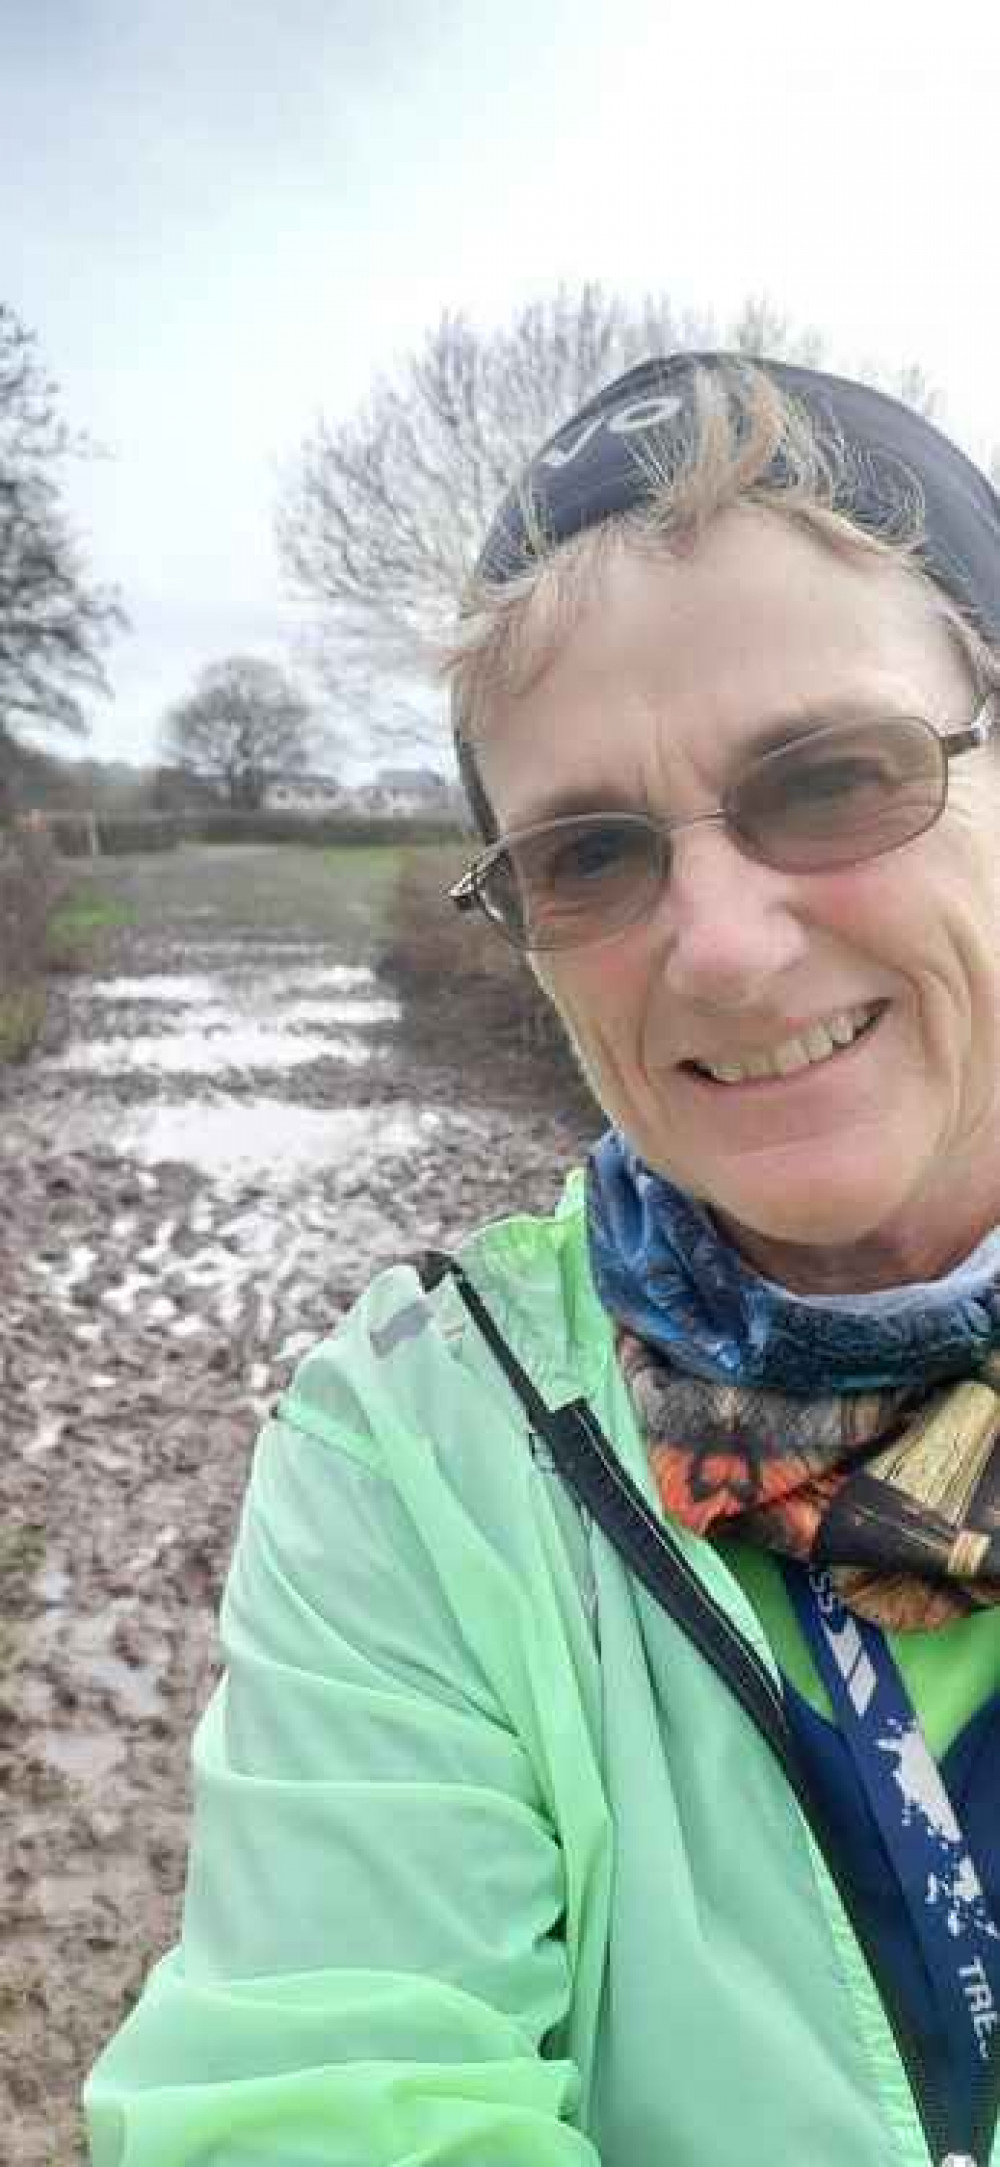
(489, 1867)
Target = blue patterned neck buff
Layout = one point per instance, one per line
(662, 1269)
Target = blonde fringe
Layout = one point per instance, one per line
(743, 426)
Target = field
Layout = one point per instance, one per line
(233, 1116)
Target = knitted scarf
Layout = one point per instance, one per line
(860, 1433)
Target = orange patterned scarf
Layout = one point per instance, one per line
(897, 1491)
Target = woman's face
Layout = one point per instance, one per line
(882, 1162)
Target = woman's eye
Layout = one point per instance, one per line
(838, 778)
(583, 859)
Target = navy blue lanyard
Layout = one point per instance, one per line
(937, 1877)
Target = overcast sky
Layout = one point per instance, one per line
(223, 217)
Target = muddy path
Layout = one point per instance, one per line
(227, 1129)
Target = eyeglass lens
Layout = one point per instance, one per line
(841, 795)
(831, 799)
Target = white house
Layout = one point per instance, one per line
(316, 794)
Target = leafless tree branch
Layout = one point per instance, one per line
(55, 621)
(381, 519)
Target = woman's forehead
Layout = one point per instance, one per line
(760, 626)
(756, 585)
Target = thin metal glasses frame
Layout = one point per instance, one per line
(466, 893)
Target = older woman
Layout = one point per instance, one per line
(608, 1759)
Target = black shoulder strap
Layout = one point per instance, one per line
(596, 1478)
(435, 1265)
(582, 1454)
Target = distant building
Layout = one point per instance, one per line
(306, 794)
(405, 790)
(392, 794)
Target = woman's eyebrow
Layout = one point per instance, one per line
(800, 721)
(569, 803)
(776, 730)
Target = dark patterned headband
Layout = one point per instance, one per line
(604, 459)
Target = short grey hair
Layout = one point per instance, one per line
(750, 443)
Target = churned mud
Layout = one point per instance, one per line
(227, 1129)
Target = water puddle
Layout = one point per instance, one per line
(134, 1688)
(83, 1756)
(203, 1023)
(183, 988)
(53, 1585)
(272, 1141)
(333, 977)
(200, 1053)
(273, 1138)
(286, 1014)
(379, 1010)
(84, 1649)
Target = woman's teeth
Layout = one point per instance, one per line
(822, 1040)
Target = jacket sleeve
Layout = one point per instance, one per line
(372, 1966)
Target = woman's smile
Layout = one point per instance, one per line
(794, 1057)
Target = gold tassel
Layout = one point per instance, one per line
(942, 1454)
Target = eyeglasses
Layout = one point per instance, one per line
(836, 797)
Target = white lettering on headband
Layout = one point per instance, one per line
(624, 421)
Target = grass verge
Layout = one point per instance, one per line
(22, 1014)
(73, 934)
(78, 925)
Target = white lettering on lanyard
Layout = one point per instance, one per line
(845, 1643)
(982, 2007)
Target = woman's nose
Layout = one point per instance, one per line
(732, 926)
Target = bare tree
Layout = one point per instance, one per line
(54, 620)
(244, 724)
(383, 514)
(761, 328)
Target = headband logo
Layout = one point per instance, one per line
(626, 421)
